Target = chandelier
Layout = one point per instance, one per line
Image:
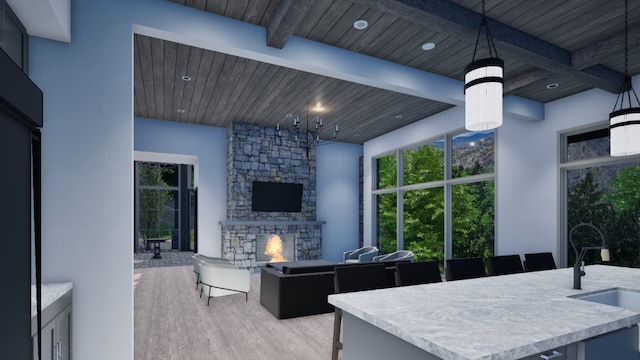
(624, 124)
(302, 136)
(483, 84)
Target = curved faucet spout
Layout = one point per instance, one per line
(578, 272)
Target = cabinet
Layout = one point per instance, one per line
(56, 338)
(617, 345)
(56, 326)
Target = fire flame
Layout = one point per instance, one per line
(274, 248)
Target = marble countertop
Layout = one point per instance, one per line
(498, 317)
(50, 293)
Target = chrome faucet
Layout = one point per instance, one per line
(578, 271)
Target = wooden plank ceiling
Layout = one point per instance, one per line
(576, 44)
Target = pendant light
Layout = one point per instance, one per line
(483, 84)
(624, 124)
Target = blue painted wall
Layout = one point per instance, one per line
(338, 197)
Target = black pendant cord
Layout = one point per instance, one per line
(37, 201)
(493, 51)
(306, 135)
(627, 85)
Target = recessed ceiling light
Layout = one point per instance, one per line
(399, 116)
(288, 115)
(181, 111)
(186, 77)
(318, 108)
(428, 46)
(356, 135)
(360, 24)
(552, 86)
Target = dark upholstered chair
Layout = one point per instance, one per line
(465, 268)
(505, 265)
(539, 261)
(350, 278)
(418, 272)
(360, 277)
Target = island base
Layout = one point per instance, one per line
(363, 341)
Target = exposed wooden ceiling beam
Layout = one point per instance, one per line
(286, 20)
(449, 18)
(594, 53)
(513, 83)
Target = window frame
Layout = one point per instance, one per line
(564, 166)
(446, 183)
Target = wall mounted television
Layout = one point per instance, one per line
(274, 196)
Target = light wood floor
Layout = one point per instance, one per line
(172, 322)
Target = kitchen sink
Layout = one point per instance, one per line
(626, 299)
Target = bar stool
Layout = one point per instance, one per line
(350, 278)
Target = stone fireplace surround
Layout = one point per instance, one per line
(258, 153)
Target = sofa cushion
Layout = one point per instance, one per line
(303, 266)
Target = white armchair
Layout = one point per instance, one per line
(198, 258)
(363, 254)
(400, 255)
(220, 280)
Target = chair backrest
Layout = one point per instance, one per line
(505, 264)
(539, 261)
(400, 255)
(418, 272)
(353, 254)
(465, 268)
(360, 277)
(225, 277)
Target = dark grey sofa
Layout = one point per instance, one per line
(301, 288)
(292, 289)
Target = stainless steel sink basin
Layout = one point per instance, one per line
(626, 299)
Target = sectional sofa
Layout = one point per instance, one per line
(300, 288)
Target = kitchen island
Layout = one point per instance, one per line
(499, 317)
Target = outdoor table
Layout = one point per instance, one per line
(156, 246)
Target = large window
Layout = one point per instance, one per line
(437, 198)
(601, 190)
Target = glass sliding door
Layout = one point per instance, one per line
(164, 205)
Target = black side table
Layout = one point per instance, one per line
(156, 246)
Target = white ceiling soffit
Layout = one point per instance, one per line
(49, 19)
(148, 156)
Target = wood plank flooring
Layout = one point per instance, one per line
(172, 322)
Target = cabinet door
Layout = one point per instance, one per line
(48, 342)
(63, 329)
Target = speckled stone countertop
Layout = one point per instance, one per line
(498, 317)
(50, 293)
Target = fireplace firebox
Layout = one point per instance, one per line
(274, 247)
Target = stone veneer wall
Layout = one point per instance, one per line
(258, 153)
(239, 241)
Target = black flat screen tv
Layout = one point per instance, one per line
(273, 196)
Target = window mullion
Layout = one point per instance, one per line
(400, 201)
(448, 243)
